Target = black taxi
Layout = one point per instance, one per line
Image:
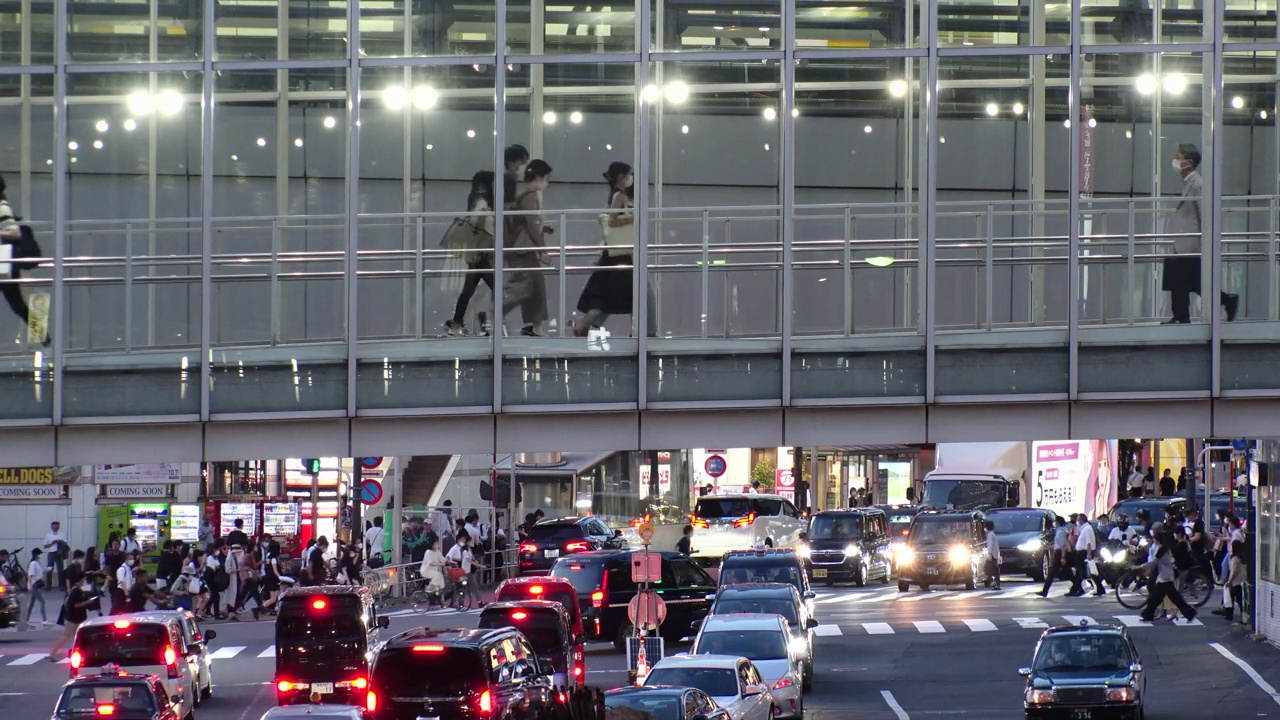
(1084, 672)
(324, 636)
(847, 546)
(944, 547)
(113, 694)
(549, 628)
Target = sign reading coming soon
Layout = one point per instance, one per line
(33, 492)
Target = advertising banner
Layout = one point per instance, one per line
(153, 474)
(784, 483)
(67, 475)
(1075, 476)
(33, 492)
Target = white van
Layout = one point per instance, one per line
(141, 643)
(742, 522)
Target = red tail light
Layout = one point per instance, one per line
(106, 709)
(360, 683)
(743, 522)
(698, 522)
(597, 599)
(578, 546)
(428, 648)
(284, 686)
(121, 624)
(371, 701)
(906, 532)
(77, 660)
(577, 671)
(519, 615)
(319, 604)
(171, 661)
(785, 682)
(528, 548)
(486, 702)
(536, 589)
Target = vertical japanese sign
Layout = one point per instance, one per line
(1087, 153)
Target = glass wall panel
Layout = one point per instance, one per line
(26, 155)
(576, 345)
(280, 240)
(995, 22)
(123, 31)
(424, 134)
(26, 37)
(841, 25)
(397, 28)
(715, 249)
(708, 25)
(134, 243)
(536, 28)
(1250, 21)
(1128, 22)
(299, 29)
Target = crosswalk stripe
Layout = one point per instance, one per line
(827, 630)
(980, 625)
(916, 597)
(31, 659)
(269, 652)
(1132, 621)
(839, 598)
(929, 626)
(1079, 620)
(1030, 623)
(879, 597)
(226, 653)
(878, 628)
(967, 595)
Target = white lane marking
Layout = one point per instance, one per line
(929, 626)
(1193, 623)
(1030, 623)
(1132, 621)
(879, 597)
(851, 597)
(1248, 670)
(827, 630)
(226, 653)
(878, 628)
(980, 625)
(29, 659)
(967, 595)
(1016, 593)
(917, 596)
(269, 652)
(1079, 619)
(894, 706)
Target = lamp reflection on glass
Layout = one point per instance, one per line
(880, 261)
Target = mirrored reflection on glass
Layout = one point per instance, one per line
(397, 28)
(112, 32)
(835, 25)
(1128, 22)
(707, 25)
(26, 360)
(31, 28)
(279, 246)
(426, 237)
(538, 28)
(992, 22)
(296, 30)
(1249, 21)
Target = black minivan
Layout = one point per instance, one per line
(603, 582)
(323, 638)
(848, 545)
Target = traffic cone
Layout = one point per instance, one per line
(642, 664)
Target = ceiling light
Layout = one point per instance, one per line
(942, 140)
(898, 88)
(170, 102)
(549, 117)
(330, 122)
(297, 142)
(717, 27)
(395, 98)
(1066, 123)
(139, 102)
(1128, 134)
(677, 92)
(683, 129)
(1146, 83)
(1262, 114)
(1093, 122)
(424, 97)
(764, 29)
(101, 126)
(1237, 102)
(235, 157)
(866, 129)
(575, 117)
(1018, 108)
(766, 147)
(262, 142)
(430, 146)
(73, 145)
(650, 93)
(1174, 83)
(608, 146)
(130, 125)
(993, 109)
(97, 145)
(471, 133)
(795, 112)
(770, 114)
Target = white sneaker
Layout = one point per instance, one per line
(598, 339)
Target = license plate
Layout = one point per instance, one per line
(819, 573)
(322, 688)
(1081, 714)
(721, 528)
(931, 571)
(428, 717)
(551, 553)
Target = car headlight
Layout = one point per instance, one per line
(1105, 554)
(959, 555)
(1037, 696)
(852, 551)
(1031, 545)
(803, 550)
(905, 555)
(1124, 694)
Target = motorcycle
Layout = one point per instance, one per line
(1117, 559)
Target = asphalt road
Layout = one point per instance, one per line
(882, 655)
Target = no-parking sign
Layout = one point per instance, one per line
(370, 492)
(715, 466)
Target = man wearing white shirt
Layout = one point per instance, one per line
(130, 544)
(1086, 546)
(124, 583)
(373, 541)
(56, 546)
(1135, 482)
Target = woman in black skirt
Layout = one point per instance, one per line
(609, 289)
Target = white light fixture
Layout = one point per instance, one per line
(717, 27)
(471, 133)
(992, 109)
(898, 88)
(866, 129)
(882, 261)
(677, 92)
(130, 124)
(425, 97)
(1093, 122)
(97, 145)
(766, 147)
(795, 112)
(1237, 102)
(1128, 134)
(235, 157)
(330, 122)
(262, 142)
(139, 102)
(1174, 83)
(395, 98)
(73, 146)
(170, 103)
(1066, 123)
(770, 114)
(575, 117)
(1262, 114)
(297, 142)
(608, 146)
(942, 140)
(1018, 109)
(101, 126)
(430, 146)
(549, 117)
(684, 129)
(650, 93)
(1146, 83)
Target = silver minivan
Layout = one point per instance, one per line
(743, 522)
(150, 643)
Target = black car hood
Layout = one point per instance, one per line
(836, 544)
(1013, 540)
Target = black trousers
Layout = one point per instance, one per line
(1160, 591)
(12, 292)
(469, 287)
(1058, 571)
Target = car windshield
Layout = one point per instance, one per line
(1013, 522)
(1081, 651)
(835, 527)
(714, 508)
(133, 644)
(657, 707)
(899, 524)
(431, 671)
(584, 576)
(940, 531)
(132, 698)
(758, 606)
(964, 494)
(544, 635)
(555, 531)
(755, 573)
(718, 682)
(751, 644)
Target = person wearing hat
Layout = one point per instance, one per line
(35, 576)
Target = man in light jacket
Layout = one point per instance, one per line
(1182, 269)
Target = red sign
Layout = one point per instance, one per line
(785, 483)
(715, 466)
(1055, 453)
(647, 610)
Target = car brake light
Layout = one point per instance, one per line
(906, 532)
(597, 599)
(77, 660)
(698, 522)
(519, 615)
(319, 604)
(122, 624)
(536, 589)
(360, 683)
(428, 648)
(743, 522)
(486, 702)
(371, 701)
(578, 546)
(577, 671)
(171, 661)
(106, 709)
(784, 682)
(284, 686)
(528, 548)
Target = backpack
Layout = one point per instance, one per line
(218, 580)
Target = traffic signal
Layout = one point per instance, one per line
(311, 466)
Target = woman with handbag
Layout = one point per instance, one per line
(474, 237)
(463, 566)
(608, 290)
(524, 286)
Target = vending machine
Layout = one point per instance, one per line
(150, 522)
(282, 521)
(184, 523)
(229, 512)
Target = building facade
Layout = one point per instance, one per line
(913, 223)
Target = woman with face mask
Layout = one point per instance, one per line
(523, 283)
(609, 289)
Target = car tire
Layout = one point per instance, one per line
(972, 581)
(624, 632)
(1041, 571)
(903, 586)
(924, 587)
(861, 578)
(807, 685)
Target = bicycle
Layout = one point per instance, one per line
(1194, 585)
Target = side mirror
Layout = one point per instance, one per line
(617, 533)
(384, 622)
(809, 595)
(1135, 668)
(1024, 672)
(711, 598)
(210, 635)
(695, 625)
(752, 690)
(811, 623)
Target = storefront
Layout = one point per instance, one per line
(33, 497)
(1266, 525)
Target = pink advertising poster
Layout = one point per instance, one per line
(1073, 476)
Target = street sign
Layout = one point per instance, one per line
(370, 463)
(646, 567)
(370, 492)
(715, 466)
(1240, 445)
(645, 531)
(646, 610)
